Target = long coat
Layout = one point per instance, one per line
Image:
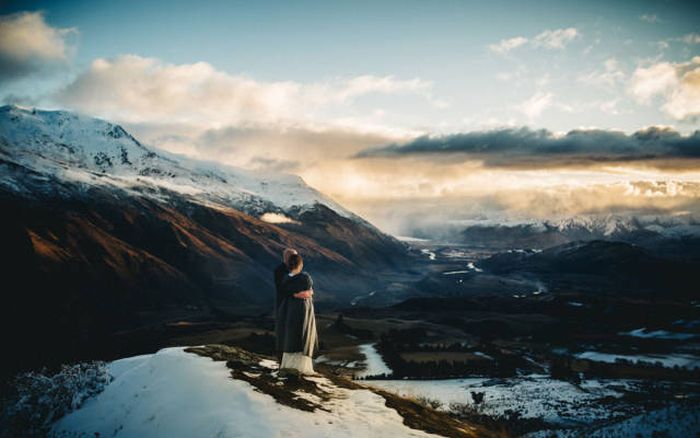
(296, 322)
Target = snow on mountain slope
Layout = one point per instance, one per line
(92, 151)
(177, 394)
(601, 226)
(616, 224)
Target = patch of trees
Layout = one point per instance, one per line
(394, 342)
(456, 347)
(343, 327)
(569, 368)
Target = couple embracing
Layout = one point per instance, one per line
(295, 322)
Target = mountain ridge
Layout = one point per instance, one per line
(97, 245)
(65, 143)
(649, 230)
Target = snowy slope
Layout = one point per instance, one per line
(177, 394)
(534, 396)
(613, 224)
(68, 146)
(601, 225)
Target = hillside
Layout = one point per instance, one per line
(106, 235)
(177, 393)
(601, 266)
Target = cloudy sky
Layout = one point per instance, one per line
(403, 111)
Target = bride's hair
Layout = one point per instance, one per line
(294, 262)
(287, 252)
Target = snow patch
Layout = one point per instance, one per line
(681, 360)
(374, 364)
(659, 334)
(176, 394)
(535, 396)
(277, 218)
(431, 255)
(411, 239)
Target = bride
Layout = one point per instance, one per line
(295, 314)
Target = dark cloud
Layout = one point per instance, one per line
(524, 147)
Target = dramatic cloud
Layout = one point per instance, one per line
(28, 45)
(271, 148)
(684, 101)
(524, 147)
(517, 202)
(204, 113)
(677, 84)
(661, 189)
(136, 89)
(549, 39)
(653, 80)
(662, 197)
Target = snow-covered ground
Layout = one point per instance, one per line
(470, 268)
(672, 422)
(359, 298)
(410, 239)
(176, 394)
(374, 364)
(667, 360)
(536, 396)
(675, 421)
(431, 255)
(456, 272)
(659, 334)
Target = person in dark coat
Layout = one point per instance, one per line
(296, 320)
(280, 273)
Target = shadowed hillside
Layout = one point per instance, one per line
(105, 236)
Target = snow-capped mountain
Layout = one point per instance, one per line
(597, 224)
(616, 224)
(106, 235)
(93, 151)
(507, 232)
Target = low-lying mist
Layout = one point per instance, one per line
(648, 202)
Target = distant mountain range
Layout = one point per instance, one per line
(102, 233)
(646, 230)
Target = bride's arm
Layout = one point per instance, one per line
(308, 293)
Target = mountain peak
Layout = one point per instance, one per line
(87, 150)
